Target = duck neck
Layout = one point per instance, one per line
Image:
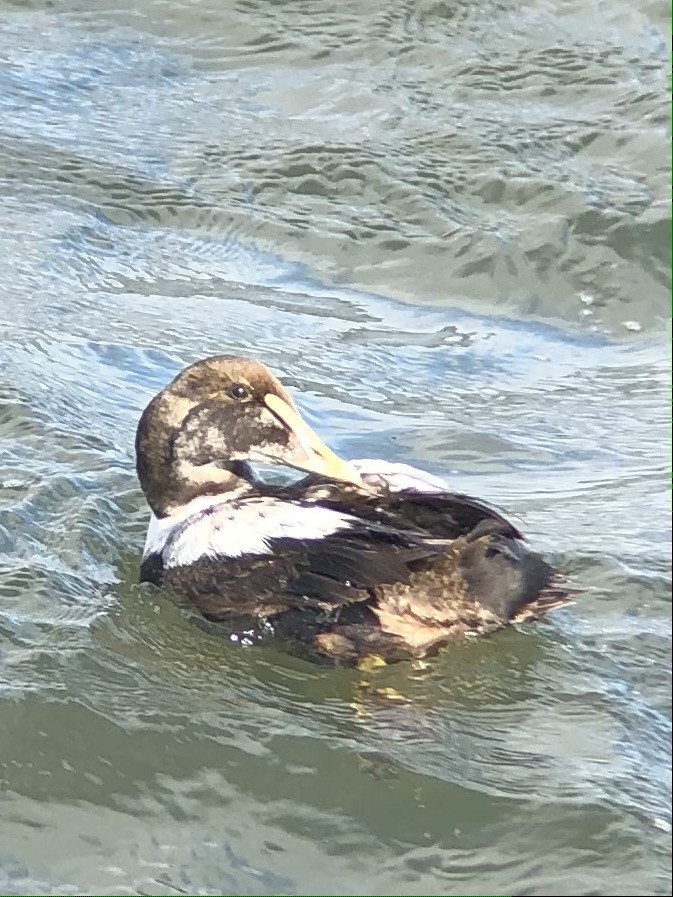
(167, 495)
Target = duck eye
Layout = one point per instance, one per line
(238, 391)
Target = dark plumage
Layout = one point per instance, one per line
(341, 564)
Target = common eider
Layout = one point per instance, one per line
(356, 558)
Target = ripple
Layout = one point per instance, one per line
(444, 225)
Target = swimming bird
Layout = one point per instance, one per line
(357, 558)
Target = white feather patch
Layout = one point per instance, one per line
(401, 476)
(225, 529)
(160, 528)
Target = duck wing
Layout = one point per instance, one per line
(484, 578)
(404, 503)
(270, 555)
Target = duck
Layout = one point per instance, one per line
(353, 559)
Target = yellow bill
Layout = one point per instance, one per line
(319, 458)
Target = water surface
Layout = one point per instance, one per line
(447, 226)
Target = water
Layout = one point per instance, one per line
(448, 225)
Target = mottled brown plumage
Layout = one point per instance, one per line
(398, 573)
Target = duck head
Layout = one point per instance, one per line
(198, 434)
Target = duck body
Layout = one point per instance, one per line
(394, 564)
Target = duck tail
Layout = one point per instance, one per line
(556, 594)
(508, 579)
